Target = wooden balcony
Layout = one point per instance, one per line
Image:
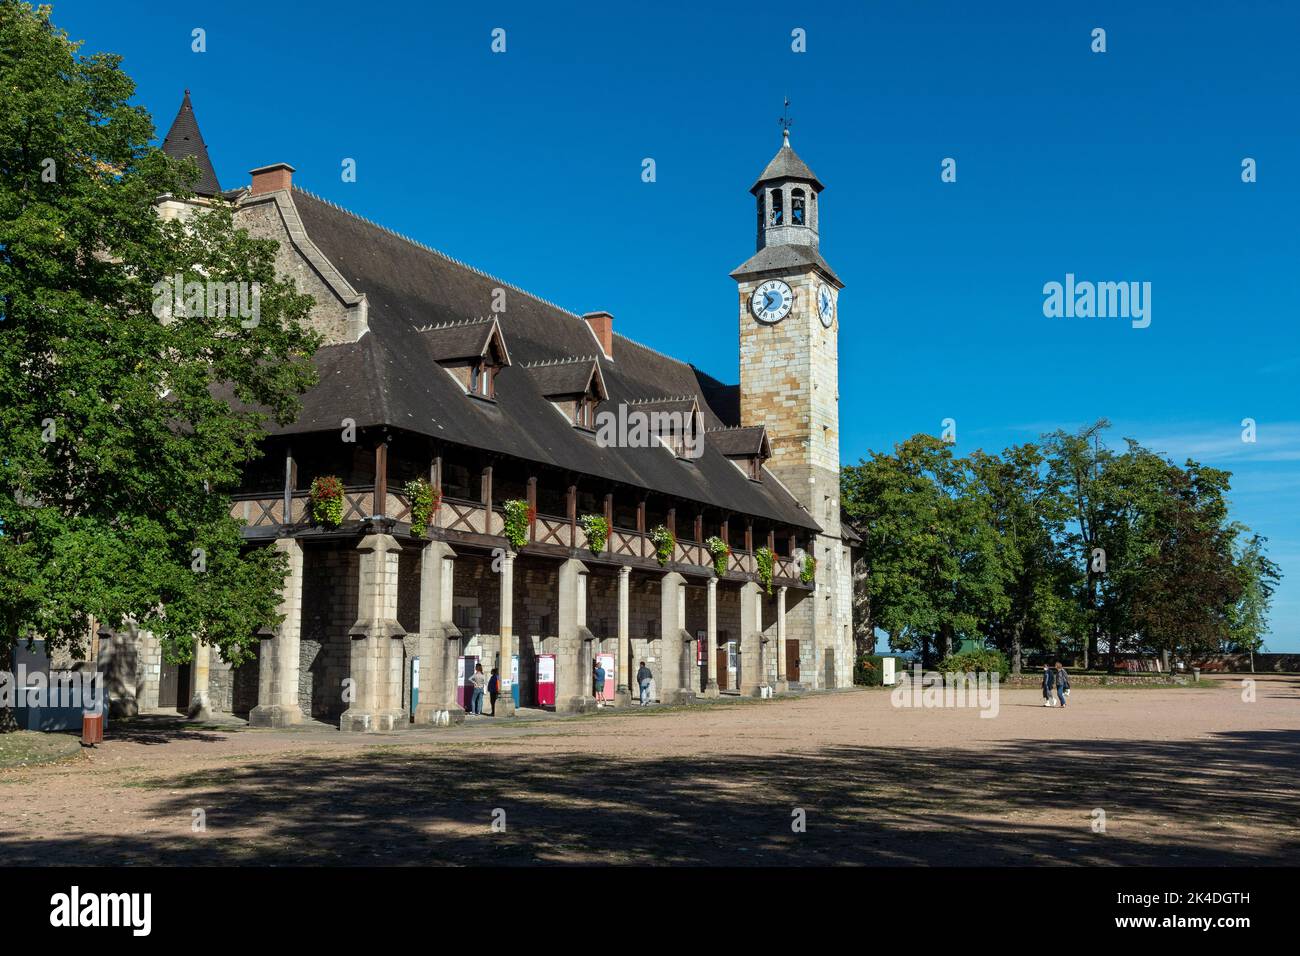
(469, 523)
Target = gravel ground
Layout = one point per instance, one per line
(1183, 776)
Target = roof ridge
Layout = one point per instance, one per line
(731, 428)
(438, 252)
(453, 323)
(542, 363)
(662, 398)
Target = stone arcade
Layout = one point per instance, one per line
(491, 395)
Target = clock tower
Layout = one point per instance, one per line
(789, 382)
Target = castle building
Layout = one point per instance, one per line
(522, 418)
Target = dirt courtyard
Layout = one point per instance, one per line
(1183, 776)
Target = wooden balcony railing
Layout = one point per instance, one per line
(464, 516)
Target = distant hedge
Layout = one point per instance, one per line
(867, 669)
(981, 661)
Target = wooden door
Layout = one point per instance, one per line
(168, 684)
(722, 668)
(791, 660)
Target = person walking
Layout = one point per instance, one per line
(494, 689)
(478, 681)
(1062, 683)
(598, 683)
(643, 678)
(1049, 680)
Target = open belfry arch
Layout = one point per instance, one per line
(492, 395)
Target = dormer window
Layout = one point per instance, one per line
(473, 353)
(573, 386)
(747, 448)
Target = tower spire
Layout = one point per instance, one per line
(184, 141)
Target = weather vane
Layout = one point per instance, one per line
(785, 120)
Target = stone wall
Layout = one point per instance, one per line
(329, 609)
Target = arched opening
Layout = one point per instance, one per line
(778, 213)
(797, 208)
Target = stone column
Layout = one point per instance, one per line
(277, 675)
(711, 641)
(752, 675)
(623, 689)
(200, 706)
(439, 641)
(505, 699)
(782, 681)
(376, 666)
(672, 640)
(572, 659)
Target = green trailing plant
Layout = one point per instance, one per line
(597, 531)
(518, 517)
(327, 501)
(425, 500)
(665, 543)
(720, 551)
(809, 569)
(763, 558)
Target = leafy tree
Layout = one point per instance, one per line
(1028, 512)
(1258, 577)
(931, 555)
(122, 432)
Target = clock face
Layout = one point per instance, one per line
(825, 305)
(771, 302)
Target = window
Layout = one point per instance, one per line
(582, 413)
(796, 208)
(756, 468)
(777, 211)
(481, 375)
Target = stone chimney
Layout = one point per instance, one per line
(602, 326)
(267, 179)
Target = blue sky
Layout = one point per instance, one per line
(1122, 166)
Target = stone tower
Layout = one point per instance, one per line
(789, 381)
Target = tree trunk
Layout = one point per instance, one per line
(1016, 630)
(864, 629)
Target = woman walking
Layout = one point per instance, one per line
(1049, 678)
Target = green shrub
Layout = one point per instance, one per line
(809, 569)
(326, 497)
(597, 531)
(976, 661)
(425, 500)
(518, 517)
(868, 671)
(763, 558)
(665, 543)
(720, 552)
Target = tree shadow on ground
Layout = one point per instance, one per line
(1166, 803)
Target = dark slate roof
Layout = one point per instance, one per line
(185, 142)
(747, 441)
(461, 340)
(784, 258)
(384, 378)
(567, 376)
(786, 164)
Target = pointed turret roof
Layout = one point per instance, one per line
(185, 142)
(786, 164)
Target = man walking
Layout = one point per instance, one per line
(598, 683)
(1049, 679)
(643, 678)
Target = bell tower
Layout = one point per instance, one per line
(789, 382)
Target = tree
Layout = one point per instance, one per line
(929, 544)
(125, 422)
(1258, 577)
(1028, 512)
